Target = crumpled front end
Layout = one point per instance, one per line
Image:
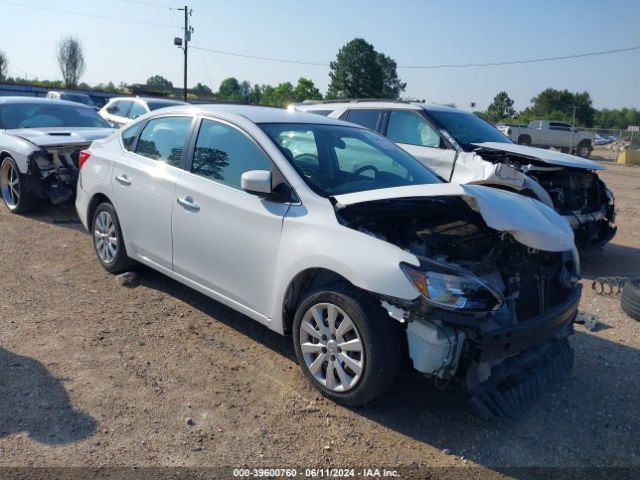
(574, 191)
(493, 314)
(53, 172)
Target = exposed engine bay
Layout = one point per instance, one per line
(53, 172)
(485, 297)
(577, 194)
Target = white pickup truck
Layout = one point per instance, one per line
(545, 134)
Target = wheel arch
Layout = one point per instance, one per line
(95, 201)
(305, 281)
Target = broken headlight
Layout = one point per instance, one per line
(451, 290)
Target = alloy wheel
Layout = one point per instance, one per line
(10, 182)
(105, 237)
(332, 347)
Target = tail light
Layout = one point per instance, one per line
(83, 157)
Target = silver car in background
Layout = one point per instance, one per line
(40, 144)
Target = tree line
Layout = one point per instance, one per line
(359, 71)
(562, 105)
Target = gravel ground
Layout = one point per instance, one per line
(94, 374)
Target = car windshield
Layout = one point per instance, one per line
(334, 159)
(43, 115)
(467, 128)
(79, 98)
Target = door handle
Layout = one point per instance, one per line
(123, 179)
(188, 203)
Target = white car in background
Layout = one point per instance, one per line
(463, 148)
(120, 111)
(330, 232)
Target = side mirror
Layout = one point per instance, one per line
(257, 182)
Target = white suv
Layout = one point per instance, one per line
(330, 232)
(461, 147)
(120, 111)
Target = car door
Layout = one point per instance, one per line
(411, 131)
(558, 134)
(144, 180)
(223, 237)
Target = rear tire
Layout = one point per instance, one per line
(524, 140)
(108, 241)
(16, 196)
(630, 299)
(583, 150)
(355, 351)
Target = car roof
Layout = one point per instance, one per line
(379, 104)
(256, 114)
(43, 100)
(170, 101)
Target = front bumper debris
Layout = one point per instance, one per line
(517, 382)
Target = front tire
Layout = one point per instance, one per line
(15, 194)
(108, 241)
(345, 344)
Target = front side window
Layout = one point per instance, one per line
(119, 108)
(224, 153)
(410, 128)
(334, 159)
(129, 135)
(137, 109)
(164, 139)
(43, 115)
(366, 118)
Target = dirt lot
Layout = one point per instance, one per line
(96, 374)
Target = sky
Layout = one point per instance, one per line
(412, 32)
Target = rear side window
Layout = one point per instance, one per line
(410, 128)
(366, 118)
(223, 154)
(129, 135)
(137, 109)
(324, 113)
(164, 139)
(119, 108)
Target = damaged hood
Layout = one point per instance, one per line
(529, 221)
(547, 156)
(48, 137)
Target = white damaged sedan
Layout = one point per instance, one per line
(333, 234)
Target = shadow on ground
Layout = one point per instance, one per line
(63, 215)
(577, 422)
(613, 261)
(34, 401)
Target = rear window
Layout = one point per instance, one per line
(43, 115)
(156, 105)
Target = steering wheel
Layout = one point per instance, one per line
(364, 168)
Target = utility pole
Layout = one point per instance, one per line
(188, 30)
(573, 128)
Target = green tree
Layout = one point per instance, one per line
(280, 96)
(159, 82)
(70, 60)
(356, 72)
(202, 89)
(4, 66)
(500, 109)
(306, 90)
(230, 90)
(552, 104)
(392, 86)
(361, 72)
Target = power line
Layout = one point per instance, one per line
(255, 57)
(454, 65)
(148, 4)
(516, 62)
(90, 15)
